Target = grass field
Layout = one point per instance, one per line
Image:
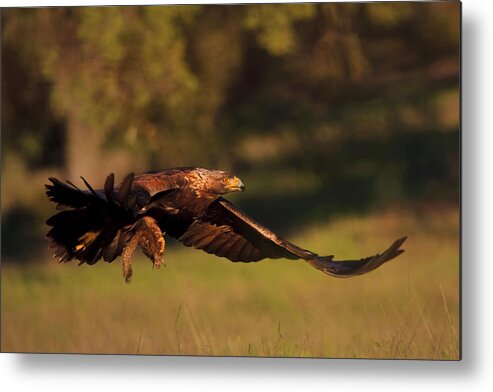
(204, 305)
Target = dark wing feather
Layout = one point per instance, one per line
(226, 231)
(347, 268)
(89, 186)
(109, 187)
(125, 186)
(149, 190)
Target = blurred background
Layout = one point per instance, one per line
(341, 119)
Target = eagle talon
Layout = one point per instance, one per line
(158, 262)
(127, 272)
(160, 242)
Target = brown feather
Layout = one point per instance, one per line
(89, 186)
(125, 186)
(230, 225)
(109, 187)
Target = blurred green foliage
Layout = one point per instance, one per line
(337, 106)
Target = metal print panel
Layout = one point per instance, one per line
(196, 180)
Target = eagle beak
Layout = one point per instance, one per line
(235, 185)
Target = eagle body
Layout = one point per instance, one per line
(184, 203)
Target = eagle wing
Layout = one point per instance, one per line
(226, 231)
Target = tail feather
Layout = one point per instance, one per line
(94, 227)
(73, 231)
(67, 194)
(110, 253)
(89, 186)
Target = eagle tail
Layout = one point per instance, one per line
(67, 194)
(347, 268)
(94, 226)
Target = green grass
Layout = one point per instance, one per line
(204, 305)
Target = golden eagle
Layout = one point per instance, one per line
(185, 203)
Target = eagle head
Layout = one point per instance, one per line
(219, 182)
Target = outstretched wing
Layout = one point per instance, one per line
(226, 231)
(347, 268)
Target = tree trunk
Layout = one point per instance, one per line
(83, 151)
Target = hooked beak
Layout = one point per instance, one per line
(235, 185)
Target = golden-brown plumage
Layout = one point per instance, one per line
(184, 203)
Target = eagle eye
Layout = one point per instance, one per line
(224, 180)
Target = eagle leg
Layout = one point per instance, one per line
(159, 257)
(148, 235)
(152, 241)
(128, 252)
